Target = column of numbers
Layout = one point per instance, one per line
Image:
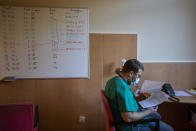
(9, 39)
(30, 38)
(54, 37)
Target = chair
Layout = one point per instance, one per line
(191, 121)
(192, 126)
(111, 124)
(18, 117)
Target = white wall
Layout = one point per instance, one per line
(166, 28)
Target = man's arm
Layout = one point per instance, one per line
(134, 116)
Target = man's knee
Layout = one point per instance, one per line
(165, 127)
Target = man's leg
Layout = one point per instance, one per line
(156, 115)
(163, 126)
(141, 129)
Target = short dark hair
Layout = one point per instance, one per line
(132, 65)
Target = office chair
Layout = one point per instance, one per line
(111, 124)
(192, 126)
(191, 122)
(18, 117)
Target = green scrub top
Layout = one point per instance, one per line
(121, 99)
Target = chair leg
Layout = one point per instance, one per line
(157, 125)
(36, 117)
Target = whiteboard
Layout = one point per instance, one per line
(44, 42)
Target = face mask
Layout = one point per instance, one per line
(137, 80)
(134, 83)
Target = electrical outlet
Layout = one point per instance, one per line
(82, 119)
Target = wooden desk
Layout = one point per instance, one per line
(177, 114)
(186, 99)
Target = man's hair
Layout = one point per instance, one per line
(132, 65)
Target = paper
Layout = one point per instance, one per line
(181, 93)
(157, 96)
(192, 92)
(152, 85)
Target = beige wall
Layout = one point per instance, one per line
(62, 101)
(166, 28)
(162, 26)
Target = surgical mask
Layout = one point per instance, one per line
(137, 80)
(134, 83)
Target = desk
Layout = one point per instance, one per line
(177, 114)
(186, 99)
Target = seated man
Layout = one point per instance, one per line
(123, 103)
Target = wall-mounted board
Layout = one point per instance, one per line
(44, 42)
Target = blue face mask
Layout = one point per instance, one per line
(134, 83)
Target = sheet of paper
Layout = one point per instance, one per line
(181, 93)
(157, 97)
(151, 85)
(192, 92)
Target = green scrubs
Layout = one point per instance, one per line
(121, 99)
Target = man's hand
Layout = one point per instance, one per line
(134, 116)
(153, 110)
(140, 96)
(137, 92)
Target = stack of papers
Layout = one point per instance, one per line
(192, 92)
(181, 93)
(151, 85)
(157, 96)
